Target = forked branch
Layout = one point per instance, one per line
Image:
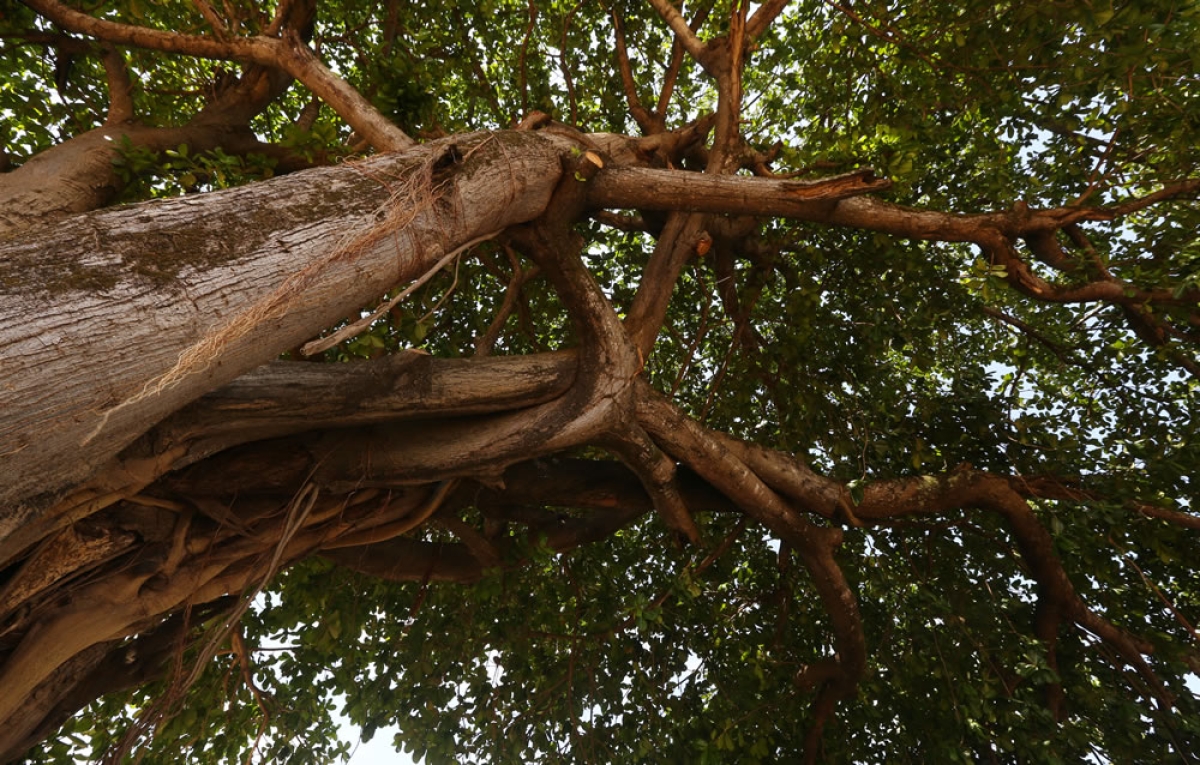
(287, 52)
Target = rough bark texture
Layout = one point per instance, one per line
(113, 320)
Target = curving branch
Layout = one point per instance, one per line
(673, 68)
(683, 32)
(645, 120)
(678, 243)
(657, 474)
(842, 201)
(762, 18)
(836, 677)
(287, 52)
(120, 88)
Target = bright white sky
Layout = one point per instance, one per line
(378, 751)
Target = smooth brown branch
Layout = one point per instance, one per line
(298, 60)
(283, 12)
(672, 74)
(693, 445)
(677, 244)
(649, 189)
(1064, 354)
(287, 52)
(1176, 190)
(1174, 517)
(691, 43)
(220, 30)
(843, 201)
(120, 88)
(762, 18)
(644, 119)
(656, 471)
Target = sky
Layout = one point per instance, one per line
(378, 751)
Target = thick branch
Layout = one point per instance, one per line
(647, 189)
(285, 397)
(309, 248)
(687, 441)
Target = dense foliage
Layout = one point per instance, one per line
(870, 354)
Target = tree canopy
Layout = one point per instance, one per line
(695, 382)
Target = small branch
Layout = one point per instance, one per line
(408, 560)
(298, 60)
(314, 347)
(762, 18)
(566, 70)
(1062, 353)
(522, 71)
(691, 43)
(672, 74)
(1179, 617)
(283, 10)
(1134, 205)
(1174, 517)
(220, 31)
(643, 118)
(483, 84)
(512, 293)
(677, 244)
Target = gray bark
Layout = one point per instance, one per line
(112, 320)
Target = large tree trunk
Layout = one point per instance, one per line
(110, 321)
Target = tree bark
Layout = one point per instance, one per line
(112, 320)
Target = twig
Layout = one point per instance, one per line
(643, 118)
(352, 330)
(1159, 593)
(485, 344)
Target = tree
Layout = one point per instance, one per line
(728, 382)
